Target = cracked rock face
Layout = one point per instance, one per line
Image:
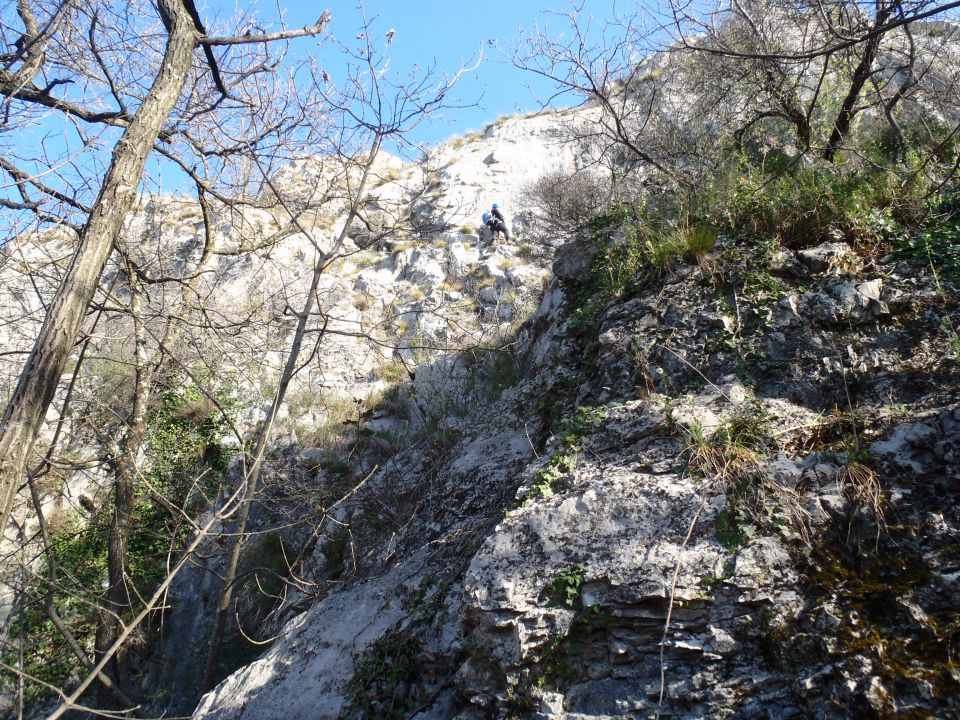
(519, 567)
(642, 540)
(591, 574)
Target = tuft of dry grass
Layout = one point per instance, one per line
(361, 301)
(733, 457)
(733, 453)
(862, 486)
(726, 463)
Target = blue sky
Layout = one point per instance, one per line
(443, 32)
(446, 31)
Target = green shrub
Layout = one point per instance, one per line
(387, 680)
(805, 204)
(658, 247)
(81, 557)
(929, 138)
(564, 590)
(636, 245)
(800, 209)
(184, 429)
(570, 434)
(613, 271)
(936, 247)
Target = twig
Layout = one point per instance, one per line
(846, 391)
(59, 691)
(673, 591)
(697, 371)
(70, 702)
(526, 431)
(236, 614)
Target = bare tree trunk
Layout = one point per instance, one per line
(49, 604)
(786, 98)
(123, 460)
(124, 456)
(38, 381)
(253, 476)
(860, 76)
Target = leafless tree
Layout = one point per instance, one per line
(597, 65)
(122, 77)
(374, 107)
(674, 84)
(819, 67)
(63, 44)
(564, 202)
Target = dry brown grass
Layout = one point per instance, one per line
(732, 458)
(722, 462)
(861, 484)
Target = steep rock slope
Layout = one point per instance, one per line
(414, 283)
(669, 507)
(633, 530)
(410, 290)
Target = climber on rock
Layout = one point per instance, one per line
(496, 225)
(495, 211)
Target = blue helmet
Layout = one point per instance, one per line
(495, 206)
(486, 216)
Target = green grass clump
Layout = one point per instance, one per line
(805, 204)
(636, 246)
(662, 250)
(393, 372)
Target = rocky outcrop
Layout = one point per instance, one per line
(315, 653)
(687, 503)
(574, 590)
(415, 283)
(424, 284)
(566, 558)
